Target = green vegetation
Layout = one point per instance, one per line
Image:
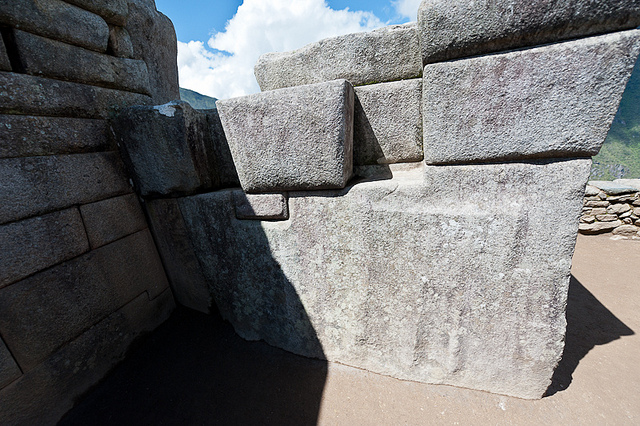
(197, 100)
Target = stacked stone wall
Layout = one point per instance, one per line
(612, 207)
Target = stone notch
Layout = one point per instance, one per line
(386, 54)
(261, 206)
(451, 29)
(551, 101)
(298, 138)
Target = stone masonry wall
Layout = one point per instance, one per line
(612, 207)
(80, 277)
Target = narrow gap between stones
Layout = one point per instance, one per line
(12, 49)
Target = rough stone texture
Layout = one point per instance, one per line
(120, 42)
(31, 245)
(5, 64)
(226, 168)
(551, 101)
(49, 58)
(44, 394)
(634, 183)
(451, 29)
(113, 11)
(183, 269)
(596, 204)
(618, 208)
(626, 230)
(41, 313)
(24, 135)
(57, 20)
(386, 54)
(591, 191)
(387, 126)
(36, 185)
(26, 94)
(607, 217)
(292, 139)
(154, 41)
(454, 275)
(261, 206)
(9, 370)
(587, 219)
(599, 227)
(112, 219)
(613, 188)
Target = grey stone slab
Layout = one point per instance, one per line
(387, 126)
(112, 219)
(294, 138)
(261, 206)
(455, 275)
(35, 185)
(120, 42)
(635, 183)
(30, 95)
(5, 64)
(386, 54)
(9, 370)
(451, 29)
(25, 135)
(591, 191)
(49, 58)
(599, 227)
(44, 394)
(31, 245)
(614, 188)
(626, 230)
(189, 285)
(113, 11)
(43, 312)
(58, 20)
(552, 101)
(225, 166)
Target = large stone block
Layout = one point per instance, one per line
(58, 20)
(49, 58)
(112, 219)
(41, 313)
(120, 42)
(5, 64)
(26, 94)
(552, 101)
(35, 185)
(292, 139)
(9, 370)
(113, 11)
(31, 245)
(25, 136)
(451, 29)
(449, 275)
(386, 54)
(387, 126)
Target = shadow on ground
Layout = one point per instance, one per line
(589, 323)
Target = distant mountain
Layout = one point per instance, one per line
(197, 100)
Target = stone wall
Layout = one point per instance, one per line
(612, 207)
(80, 276)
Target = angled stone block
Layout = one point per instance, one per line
(112, 219)
(298, 138)
(261, 206)
(113, 11)
(617, 187)
(452, 29)
(120, 42)
(387, 126)
(552, 101)
(5, 64)
(386, 54)
(9, 370)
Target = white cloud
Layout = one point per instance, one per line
(261, 26)
(407, 8)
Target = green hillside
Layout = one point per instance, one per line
(197, 100)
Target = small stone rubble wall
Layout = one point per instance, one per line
(612, 207)
(80, 276)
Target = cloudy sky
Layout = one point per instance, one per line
(219, 41)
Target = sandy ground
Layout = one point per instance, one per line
(195, 370)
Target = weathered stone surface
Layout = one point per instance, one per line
(183, 269)
(598, 210)
(626, 230)
(33, 244)
(386, 54)
(591, 191)
(9, 370)
(120, 42)
(452, 275)
(225, 166)
(49, 58)
(607, 217)
(41, 313)
(113, 11)
(596, 204)
(613, 188)
(154, 41)
(5, 64)
(460, 28)
(26, 94)
(292, 139)
(24, 135)
(57, 20)
(36, 185)
(635, 183)
(636, 211)
(387, 124)
(552, 101)
(44, 394)
(622, 198)
(599, 227)
(261, 206)
(587, 219)
(112, 219)
(618, 208)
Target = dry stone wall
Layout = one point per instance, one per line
(612, 207)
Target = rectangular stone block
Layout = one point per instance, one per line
(9, 370)
(299, 138)
(120, 42)
(5, 64)
(41, 313)
(552, 101)
(261, 206)
(387, 125)
(451, 29)
(225, 167)
(35, 185)
(26, 94)
(44, 394)
(57, 20)
(49, 58)
(386, 54)
(113, 11)
(26, 136)
(112, 219)
(31, 245)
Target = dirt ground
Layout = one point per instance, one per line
(194, 370)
